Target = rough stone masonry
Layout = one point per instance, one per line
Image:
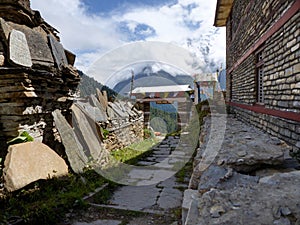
(36, 74)
(251, 180)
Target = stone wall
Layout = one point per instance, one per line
(249, 20)
(256, 27)
(126, 126)
(126, 135)
(281, 57)
(36, 74)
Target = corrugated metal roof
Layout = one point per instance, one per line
(222, 12)
(157, 89)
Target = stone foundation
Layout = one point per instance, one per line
(287, 130)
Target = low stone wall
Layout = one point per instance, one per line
(125, 135)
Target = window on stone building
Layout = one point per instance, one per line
(260, 77)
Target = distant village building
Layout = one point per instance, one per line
(222, 79)
(263, 63)
(205, 86)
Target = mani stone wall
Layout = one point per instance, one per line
(126, 125)
(281, 65)
(36, 74)
(95, 128)
(117, 124)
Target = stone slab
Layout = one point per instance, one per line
(39, 48)
(102, 114)
(188, 197)
(111, 113)
(29, 162)
(169, 198)
(145, 163)
(95, 113)
(88, 132)
(162, 151)
(274, 200)
(38, 44)
(170, 182)
(192, 216)
(5, 30)
(75, 153)
(164, 164)
(135, 198)
(58, 52)
(117, 110)
(19, 52)
(71, 57)
(102, 98)
(140, 174)
(224, 178)
(162, 174)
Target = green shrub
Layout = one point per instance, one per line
(23, 137)
(105, 133)
(148, 133)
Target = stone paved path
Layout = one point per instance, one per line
(157, 193)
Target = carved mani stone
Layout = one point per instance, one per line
(19, 53)
(38, 46)
(58, 52)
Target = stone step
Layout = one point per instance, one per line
(151, 211)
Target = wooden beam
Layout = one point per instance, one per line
(272, 112)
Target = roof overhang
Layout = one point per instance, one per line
(222, 12)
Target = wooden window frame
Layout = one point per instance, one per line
(260, 71)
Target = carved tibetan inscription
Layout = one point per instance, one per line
(58, 52)
(19, 53)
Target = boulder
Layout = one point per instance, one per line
(224, 178)
(29, 162)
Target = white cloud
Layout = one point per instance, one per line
(80, 31)
(90, 35)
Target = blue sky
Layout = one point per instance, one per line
(92, 28)
(103, 6)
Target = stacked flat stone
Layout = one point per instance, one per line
(36, 73)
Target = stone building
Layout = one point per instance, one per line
(263, 63)
(36, 74)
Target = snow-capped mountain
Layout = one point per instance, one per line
(202, 47)
(148, 78)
